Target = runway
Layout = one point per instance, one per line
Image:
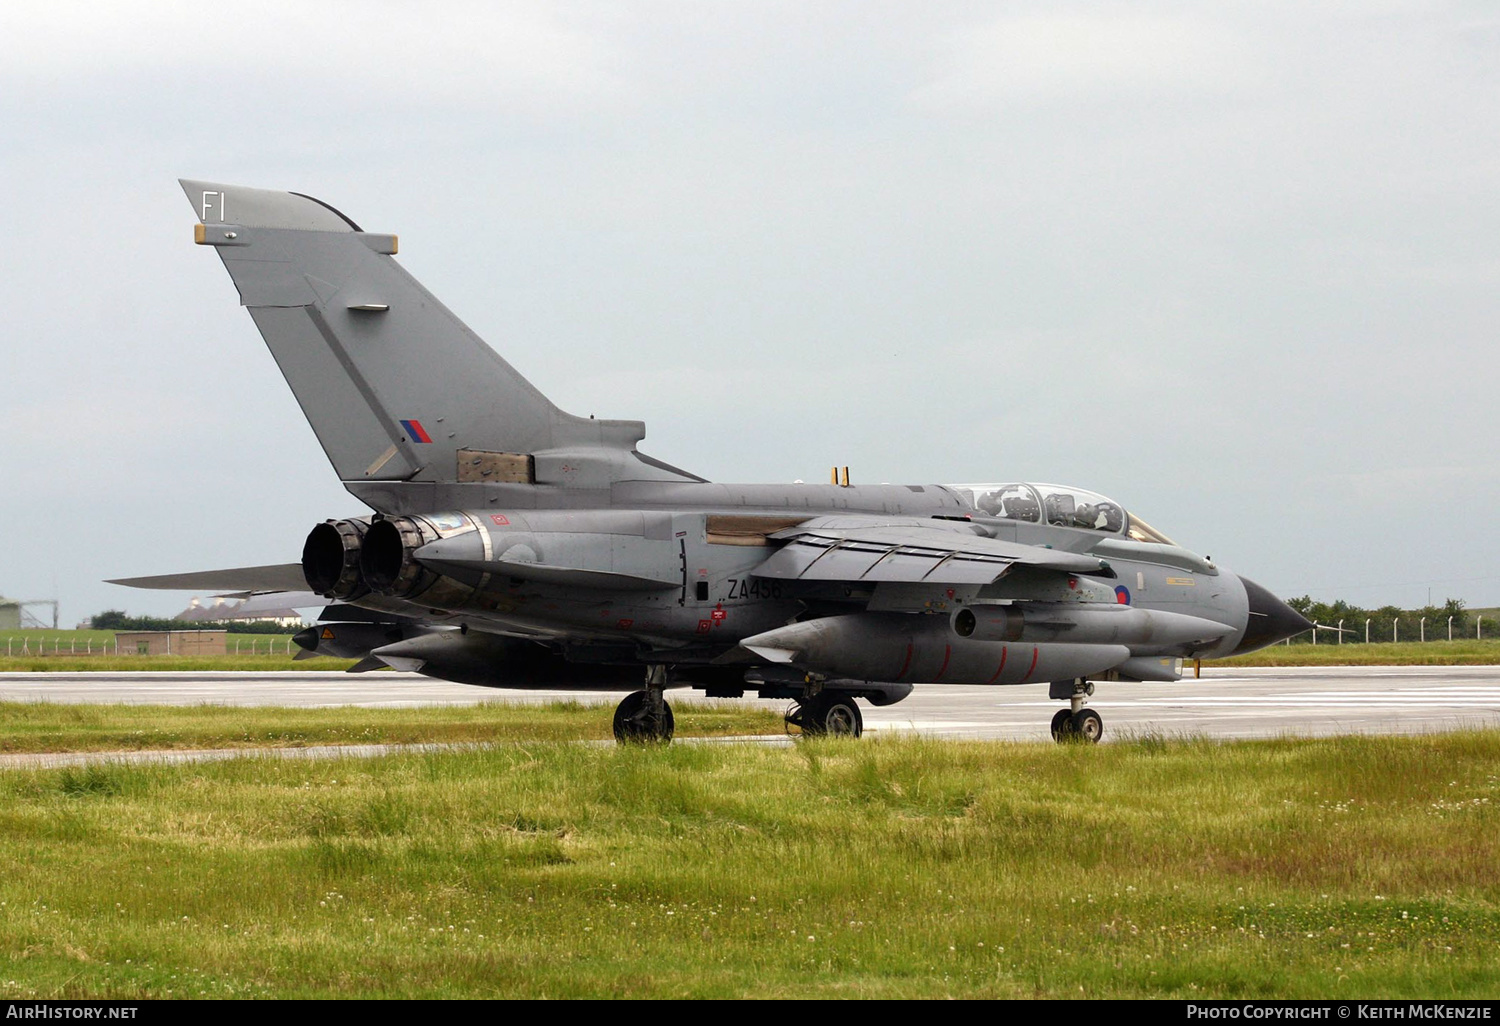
(1225, 703)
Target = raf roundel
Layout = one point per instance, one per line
(1122, 595)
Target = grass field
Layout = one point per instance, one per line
(1345, 867)
(50, 642)
(40, 651)
(146, 664)
(57, 727)
(1470, 652)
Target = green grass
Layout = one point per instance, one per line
(1469, 652)
(60, 727)
(77, 642)
(40, 651)
(1343, 867)
(50, 639)
(262, 663)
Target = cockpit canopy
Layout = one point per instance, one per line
(1059, 506)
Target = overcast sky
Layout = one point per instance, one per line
(1233, 265)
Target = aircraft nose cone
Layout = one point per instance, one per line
(1271, 620)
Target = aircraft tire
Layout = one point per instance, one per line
(1088, 726)
(828, 715)
(634, 723)
(1062, 725)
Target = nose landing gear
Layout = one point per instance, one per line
(1075, 723)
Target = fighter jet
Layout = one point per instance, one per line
(514, 545)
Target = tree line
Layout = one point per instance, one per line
(1388, 623)
(118, 620)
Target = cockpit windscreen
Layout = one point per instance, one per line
(1059, 506)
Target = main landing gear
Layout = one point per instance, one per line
(827, 714)
(1075, 723)
(644, 717)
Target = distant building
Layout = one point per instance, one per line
(250, 611)
(10, 614)
(197, 612)
(186, 643)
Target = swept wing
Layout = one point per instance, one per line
(946, 553)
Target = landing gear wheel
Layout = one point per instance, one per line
(1088, 726)
(1062, 725)
(827, 715)
(637, 722)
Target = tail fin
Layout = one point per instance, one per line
(395, 386)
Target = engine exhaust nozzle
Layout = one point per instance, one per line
(387, 558)
(330, 559)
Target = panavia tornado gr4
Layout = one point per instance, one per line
(514, 545)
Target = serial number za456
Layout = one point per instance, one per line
(753, 588)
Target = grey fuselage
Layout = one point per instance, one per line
(505, 527)
(714, 600)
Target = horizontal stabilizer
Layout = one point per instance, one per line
(273, 603)
(241, 582)
(341, 612)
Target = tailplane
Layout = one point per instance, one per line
(394, 385)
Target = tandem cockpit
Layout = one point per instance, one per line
(1059, 506)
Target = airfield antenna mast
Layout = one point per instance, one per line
(44, 602)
